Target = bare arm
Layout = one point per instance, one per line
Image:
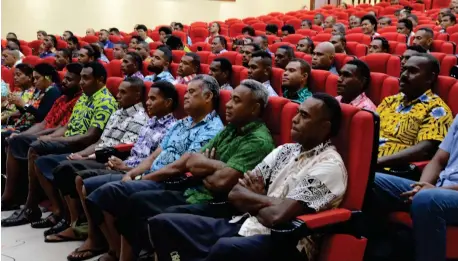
(84, 140)
(245, 200)
(283, 211)
(419, 152)
(223, 180)
(60, 132)
(435, 166)
(35, 129)
(89, 150)
(145, 165)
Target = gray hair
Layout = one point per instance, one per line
(16, 54)
(259, 91)
(144, 45)
(210, 84)
(340, 28)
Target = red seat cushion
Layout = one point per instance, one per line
(383, 63)
(396, 37)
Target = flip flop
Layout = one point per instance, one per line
(93, 253)
(61, 239)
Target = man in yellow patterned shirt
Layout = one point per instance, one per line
(415, 121)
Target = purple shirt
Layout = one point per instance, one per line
(138, 74)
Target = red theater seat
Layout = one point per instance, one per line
(397, 48)
(236, 75)
(341, 59)
(176, 55)
(236, 29)
(356, 30)
(359, 38)
(155, 45)
(61, 44)
(90, 39)
(7, 77)
(383, 63)
(182, 36)
(35, 45)
(322, 37)
(204, 56)
(109, 53)
(443, 47)
(446, 61)
(179, 111)
(198, 34)
(447, 88)
(230, 55)
(115, 68)
(296, 23)
(26, 50)
(174, 68)
(113, 84)
(260, 26)
(304, 56)
(307, 32)
(388, 29)
(356, 49)
(382, 86)
(273, 47)
(323, 81)
(204, 68)
(200, 46)
(402, 38)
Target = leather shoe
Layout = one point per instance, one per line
(21, 217)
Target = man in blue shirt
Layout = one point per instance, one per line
(49, 46)
(104, 39)
(433, 201)
(323, 57)
(159, 66)
(188, 135)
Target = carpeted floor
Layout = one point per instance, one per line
(24, 243)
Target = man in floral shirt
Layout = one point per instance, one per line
(189, 67)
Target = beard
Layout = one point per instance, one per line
(154, 69)
(71, 91)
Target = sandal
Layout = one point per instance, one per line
(56, 229)
(92, 253)
(49, 221)
(61, 238)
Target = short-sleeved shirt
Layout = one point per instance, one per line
(333, 70)
(183, 137)
(269, 89)
(226, 87)
(137, 74)
(404, 124)
(61, 111)
(449, 176)
(9, 108)
(148, 40)
(123, 126)
(149, 139)
(91, 112)
(362, 102)
(317, 178)
(298, 97)
(108, 45)
(240, 150)
(163, 76)
(47, 54)
(184, 80)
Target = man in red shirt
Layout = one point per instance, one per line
(18, 144)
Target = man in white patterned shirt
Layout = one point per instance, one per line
(295, 179)
(260, 69)
(123, 127)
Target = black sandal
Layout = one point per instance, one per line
(49, 221)
(56, 229)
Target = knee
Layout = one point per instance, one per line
(426, 201)
(79, 182)
(224, 249)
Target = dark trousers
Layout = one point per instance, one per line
(66, 172)
(188, 237)
(19, 146)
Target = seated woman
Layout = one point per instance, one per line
(46, 81)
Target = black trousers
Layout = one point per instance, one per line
(19, 146)
(66, 172)
(188, 237)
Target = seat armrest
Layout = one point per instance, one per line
(421, 164)
(325, 218)
(125, 147)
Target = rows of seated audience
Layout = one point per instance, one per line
(204, 142)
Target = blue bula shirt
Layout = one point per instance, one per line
(449, 176)
(183, 137)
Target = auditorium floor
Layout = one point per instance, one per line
(24, 243)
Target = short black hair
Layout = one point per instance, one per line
(371, 20)
(174, 42)
(180, 25)
(226, 66)
(222, 40)
(417, 48)
(53, 39)
(114, 30)
(363, 71)
(167, 52)
(74, 68)
(321, 16)
(98, 70)
(310, 42)
(67, 53)
(333, 110)
(427, 30)
(168, 90)
(342, 38)
(387, 18)
(195, 60)
(139, 39)
(104, 30)
(255, 46)
(15, 36)
(452, 17)
(433, 63)
(45, 69)
(408, 24)
(137, 83)
(42, 32)
(91, 52)
(265, 57)
(289, 51)
(123, 45)
(289, 28)
(25, 68)
(69, 32)
(137, 59)
(74, 40)
(249, 30)
(385, 44)
(141, 27)
(165, 29)
(16, 41)
(273, 28)
(308, 22)
(305, 66)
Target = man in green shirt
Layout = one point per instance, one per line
(239, 147)
(295, 79)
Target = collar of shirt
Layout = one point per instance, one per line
(425, 97)
(315, 151)
(97, 93)
(163, 75)
(360, 98)
(248, 128)
(208, 117)
(266, 83)
(137, 74)
(130, 112)
(226, 86)
(165, 119)
(222, 51)
(302, 93)
(186, 79)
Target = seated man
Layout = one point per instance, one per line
(132, 65)
(283, 56)
(11, 58)
(318, 19)
(306, 24)
(405, 27)
(219, 44)
(74, 46)
(248, 31)
(104, 39)
(338, 29)
(263, 43)
(260, 69)
(287, 30)
(142, 48)
(87, 55)
(383, 22)
(164, 31)
(323, 57)
(115, 31)
(271, 29)
(447, 21)
(432, 201)
(305, 45)
(379, 45)
(188, 69)
(411, 51)
(329, 22)
(159, 66)
(104, 202)
(247, 51)
(355, 22)
(85, 126)
(162, 101)
(63, 58)
(415, 121)
(295, 79)
(354, 80)
(90, 31)
(221, 70)
(424, 37)
(119, 50)
(49, 46)
(222, 162)
(305, 177)
(340, 43)
(18, 145)
(143, 33)
(180, 27)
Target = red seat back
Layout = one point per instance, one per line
(154, 45)
(200, 46)
(277, 121)
(115, 68)
(447, 88)
(293, 38)
(90, 39)
(322, 37)
(273, 47)
(341, 59)
(179, 112)
(204, 56)
(356, 49)
(388, 29)
(260, 26)
(49, 60)
(397, 48)
(359, 37)
(296, 23)
(382, 86)
(35, 45)
(446, 61)
(236, 29)
(276, 80)
(443, 47)
(236, 75)
(390, 36)
(176, 55)
(113, 84)
(230, 55)
(198, 34)
(383, 63)
(8, 77)
(323, 81)
(307, 32)
(182, 36)
(109, 54)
